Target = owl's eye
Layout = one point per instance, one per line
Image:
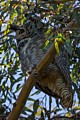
(21, 31)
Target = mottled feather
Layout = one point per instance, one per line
(56, 79)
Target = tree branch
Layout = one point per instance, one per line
(56, 1)
(74, 117)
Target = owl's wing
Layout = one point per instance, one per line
(46, 90)
(62, 62)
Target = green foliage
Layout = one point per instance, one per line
(35, 106)
(56, 17)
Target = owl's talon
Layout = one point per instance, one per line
(35, 73)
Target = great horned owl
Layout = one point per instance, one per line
(56, 79)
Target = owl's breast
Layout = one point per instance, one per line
(30, 53)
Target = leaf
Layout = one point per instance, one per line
(35, 106)
(55, 6)
(35, 93)
(46, 111)
(48, 31)
(60, 38)
(68, 46)
(42, 115)
(57, 47)
(75, 88)
(0, 22)
(31, 117)
(13, 3)
(68, 114)
(46, 43)
(18, 88)
(76, 108)
(31, 99)
(57, 110)
(27, 109)
(78, 52)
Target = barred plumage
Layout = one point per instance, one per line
(56, 79)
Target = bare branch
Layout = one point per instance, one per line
(56, 1)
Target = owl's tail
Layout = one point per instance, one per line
(67, 100)
(64, 92)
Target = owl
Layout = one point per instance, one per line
(55, 80)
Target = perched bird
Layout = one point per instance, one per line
(56, 81)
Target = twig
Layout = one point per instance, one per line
(56, 1)
(65, 117)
